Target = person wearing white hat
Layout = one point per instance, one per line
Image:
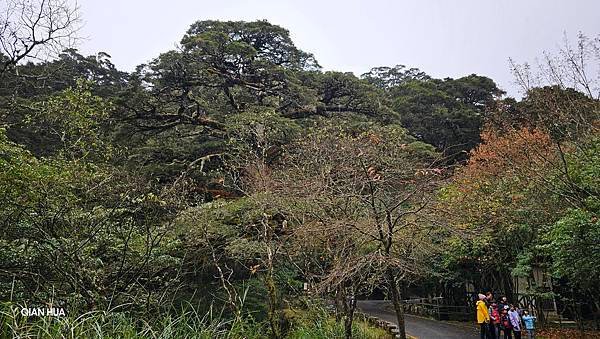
(483, 317)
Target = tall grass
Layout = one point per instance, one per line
(313, 323)
(188, 323)
(316, 322)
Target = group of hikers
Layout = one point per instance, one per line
(496, 318)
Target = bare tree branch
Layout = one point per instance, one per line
(36, 30)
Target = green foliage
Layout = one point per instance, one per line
(256, 42)
(529, 194)
(233, 237)
(445, 113)
(185, 323)
(317, 323)
(71, 124)
(584, 172)
(572, 241)
(343, 92)
(573, 244)
(228, 172)
(70, 223)
(32, 189)
(566, 114)
(389, 77)
(259, 136)
(38, 80)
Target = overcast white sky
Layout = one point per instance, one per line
(441, 37)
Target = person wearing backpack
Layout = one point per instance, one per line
(505, 324)
(529, 321)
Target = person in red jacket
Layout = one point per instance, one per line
(505, 324)
(494, 321)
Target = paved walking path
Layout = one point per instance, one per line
(419, 327)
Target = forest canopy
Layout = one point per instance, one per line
(233, 175)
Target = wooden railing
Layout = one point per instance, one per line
(435, 308)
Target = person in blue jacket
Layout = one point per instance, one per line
(529, 322)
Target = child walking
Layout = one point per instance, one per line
(529, 321)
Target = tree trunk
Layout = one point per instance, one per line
(349, 305)
(348, 324)
(339, 308)
(596, 312)
(397, 302)
(273, 314)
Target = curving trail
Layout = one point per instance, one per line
(419, 327)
